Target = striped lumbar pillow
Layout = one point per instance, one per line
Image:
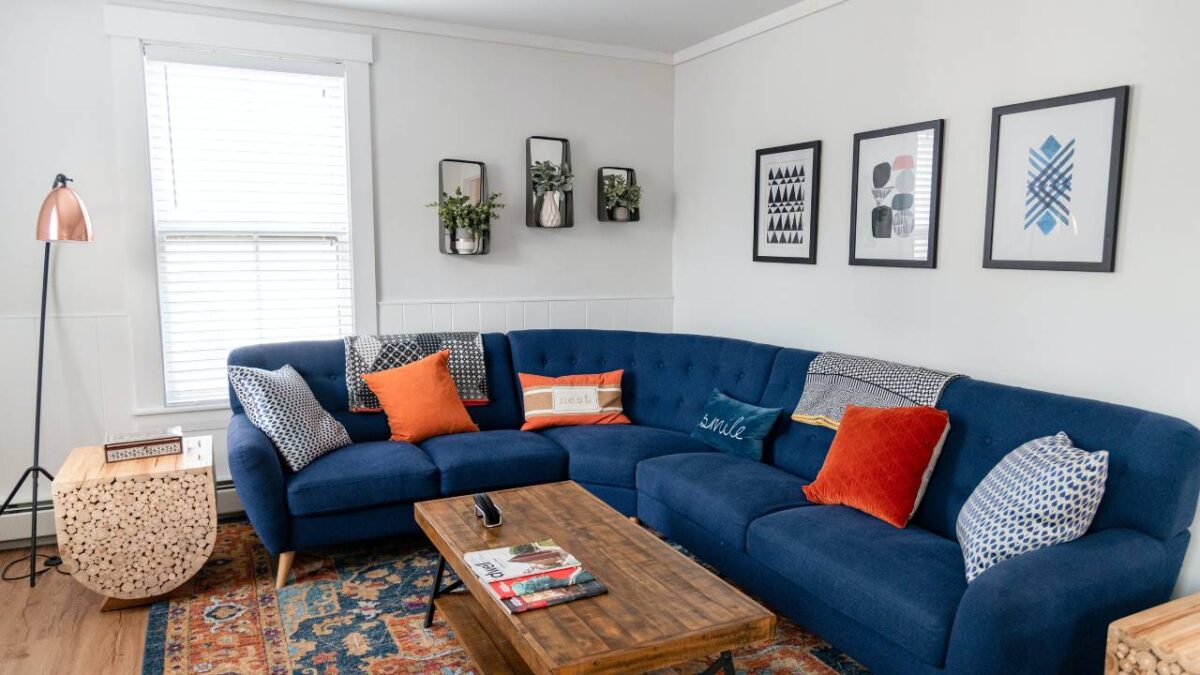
(572, 400)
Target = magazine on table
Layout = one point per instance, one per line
(568, 576)
(523, 560)
(554, 596)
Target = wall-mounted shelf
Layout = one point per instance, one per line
(605, 214)
(470, 177)
(557, 151)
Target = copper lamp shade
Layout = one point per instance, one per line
(63, 216)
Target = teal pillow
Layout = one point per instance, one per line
(735, 427)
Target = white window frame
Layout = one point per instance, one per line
(130, 29)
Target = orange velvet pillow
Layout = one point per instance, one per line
(881, 460)
(420, 399)
(572, 400)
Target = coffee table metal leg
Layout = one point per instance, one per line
(723, 664)
(437, 589)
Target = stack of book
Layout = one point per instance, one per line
(534, 575)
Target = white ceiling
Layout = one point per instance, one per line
(657, 25)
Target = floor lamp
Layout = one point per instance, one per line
(63, 218)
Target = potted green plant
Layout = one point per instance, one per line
(550, 181)
(466, 224)
(621, 197)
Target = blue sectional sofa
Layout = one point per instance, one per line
(895, 599)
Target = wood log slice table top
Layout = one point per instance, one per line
(137, 529)
(1162, 640)
(662, 608)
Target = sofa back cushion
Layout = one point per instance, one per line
(668, 377)
(792, 446)
(322, 363)
(1154, 460)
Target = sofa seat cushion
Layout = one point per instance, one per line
(904, 584)
(490, 460)
(360, 475)
(609, 454)
(719, 492)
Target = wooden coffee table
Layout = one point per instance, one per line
(662, 608)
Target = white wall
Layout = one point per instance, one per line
(1129, 337)
(433, 97)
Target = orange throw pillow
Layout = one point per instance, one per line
(572, 400)
(881, 460)
(420, 399)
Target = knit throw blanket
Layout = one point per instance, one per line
(838, 380)
(373, 353)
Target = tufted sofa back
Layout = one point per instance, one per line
(1154, 460)
(668, 377)
(798, 448)
(322, 364)
(1153, 474)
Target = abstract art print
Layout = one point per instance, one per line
(787, 181)
(894, 200)
(1054, 182)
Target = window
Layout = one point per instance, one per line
(248, 165)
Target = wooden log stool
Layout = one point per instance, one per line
(138, 529)
(1163, 640)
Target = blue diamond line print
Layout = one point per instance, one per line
(1048, 193)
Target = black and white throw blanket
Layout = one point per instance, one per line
(373, 353)
(838, 380)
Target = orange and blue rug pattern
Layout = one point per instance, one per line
(360, 610)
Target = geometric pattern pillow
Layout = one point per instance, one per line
(1043, 493)
(280, 403)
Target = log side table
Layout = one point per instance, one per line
(1162, 640)
(135, 530)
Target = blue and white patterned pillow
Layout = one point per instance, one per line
(1044, 492)
(280, 403)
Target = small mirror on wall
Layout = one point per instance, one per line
(618, 196)
(462, 188)
(549, 193)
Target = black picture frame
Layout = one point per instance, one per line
(1107, 263)
(813, 203)
(938, 126)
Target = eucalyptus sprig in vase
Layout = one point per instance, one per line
(466, 224)
(621, 197)
(551, 182)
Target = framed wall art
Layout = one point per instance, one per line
(1054, 182)
(787, 184)
(894, 199)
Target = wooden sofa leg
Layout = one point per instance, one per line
(285, 568)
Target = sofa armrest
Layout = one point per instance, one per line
(1048, 611)
(258, 477)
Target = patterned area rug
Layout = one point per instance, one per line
(359, 610)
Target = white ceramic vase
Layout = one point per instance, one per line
(550, 214)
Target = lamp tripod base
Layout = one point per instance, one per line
(52, 561)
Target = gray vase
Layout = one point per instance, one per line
(466, 242)
(621, 213)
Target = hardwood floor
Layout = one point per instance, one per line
(58, 628)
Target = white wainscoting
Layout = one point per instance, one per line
(500, 316)
(89, 377)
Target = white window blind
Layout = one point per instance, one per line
(251, 215)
